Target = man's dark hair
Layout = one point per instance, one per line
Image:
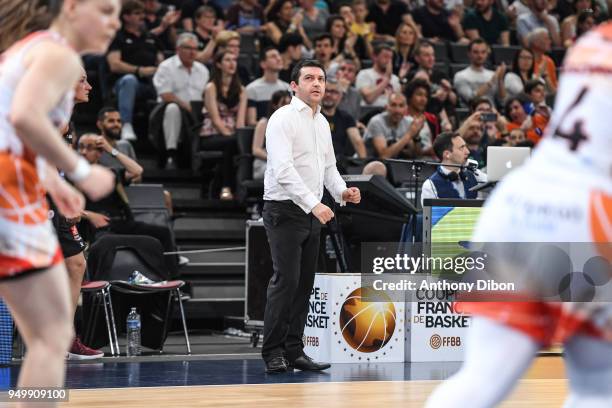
(321, 37)
(478, 101)
(131, 6)
(422, 43)
(263, 55)
(295, 73)
(531, 85)
(443, 142)
(289, 40)
(380, 47)
(107, 109)
(476, 41)
(415, 84)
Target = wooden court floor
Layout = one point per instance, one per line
(543, 386)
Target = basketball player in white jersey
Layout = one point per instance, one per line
(37, 78)
(563, 195)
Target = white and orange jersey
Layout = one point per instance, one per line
(27, 238)
(578, 140)
(12, 69)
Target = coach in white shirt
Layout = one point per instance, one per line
(301, 162)
(179, 80)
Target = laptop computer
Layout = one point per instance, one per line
(501, 160)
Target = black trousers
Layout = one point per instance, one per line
(229, 146)
(294, 244)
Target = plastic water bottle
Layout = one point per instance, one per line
(133, 334)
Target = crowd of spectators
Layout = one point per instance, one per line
(400, 72)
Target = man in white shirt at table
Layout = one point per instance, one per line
(301, 162)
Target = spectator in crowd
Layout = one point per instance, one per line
(346, 138)
(417, 94)
(494, 124)
(109, 125)
(324, 51)
(245, 17)
(476, 81)
(346, 12)
(313, 18)
(179, 81)
(386, 15)
(521, 114)
(517, 138)
(472, 132)
(360, 26)
(230, 41)
(161, 21)
(486, 22)
(522, 71)
(438, 24)
(259, 92)
(406, 39)
(442, 90)
(392, 134)
(544, 66)
(225, 102)
(376, 83)
(133, 57)
(568, 25)
(281, 19)
(290, 48)
(279, 98)
(375, 168)
(576, 25)
(351, 97)
(344, 43)
(206, 30)
(537, 17)
(190, 7)
(112, 213)
(451, 181)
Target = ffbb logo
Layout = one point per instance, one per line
(436, 341)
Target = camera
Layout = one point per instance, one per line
(488, 117)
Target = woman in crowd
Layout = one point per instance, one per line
(583, 10)
(206, 31)
(406, 38)
(281, 18)
(225, 104)
(345, 43)
(279, 98)
(521, 72)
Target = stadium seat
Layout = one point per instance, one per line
(459, 53)
(441, 52)
(504, 54)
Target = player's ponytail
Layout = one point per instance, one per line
(21, 17)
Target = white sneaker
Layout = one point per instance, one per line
(127, 132)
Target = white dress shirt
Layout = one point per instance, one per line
(301, 159)
(429, 189)
(173, 77)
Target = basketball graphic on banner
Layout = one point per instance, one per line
(367, 320)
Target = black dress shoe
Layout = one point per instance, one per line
(277, 365)
(306, 363)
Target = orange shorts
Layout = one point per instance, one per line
(27, 238)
